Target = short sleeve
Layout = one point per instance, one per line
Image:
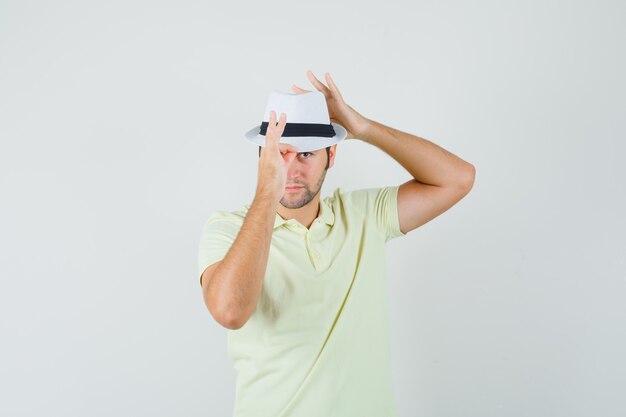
(217, 237)
(380, 205)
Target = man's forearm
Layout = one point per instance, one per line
(427, 162)
(237, 283)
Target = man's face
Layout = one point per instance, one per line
(306, 171)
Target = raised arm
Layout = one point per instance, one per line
(232, 286)
(440, 178)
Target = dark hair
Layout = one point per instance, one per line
(327, 156)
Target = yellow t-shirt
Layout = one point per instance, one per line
(317, 343)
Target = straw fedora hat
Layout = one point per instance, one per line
(308, 126)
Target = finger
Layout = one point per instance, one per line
(270, 128)
(332, 85)
(277, 130)
(321, 87)
(288, 158)
(272, 123)
(285, 147)
(299, 90)
(280, 128)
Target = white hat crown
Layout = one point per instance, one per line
(307, 107)
(308, 124)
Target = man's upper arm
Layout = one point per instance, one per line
(419, 203)
(217, 237)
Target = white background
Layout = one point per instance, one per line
(121, 127)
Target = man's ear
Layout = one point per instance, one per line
(331, 155)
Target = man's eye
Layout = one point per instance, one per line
(305, 153)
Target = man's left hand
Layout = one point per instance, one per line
(338, 110)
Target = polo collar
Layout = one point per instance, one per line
(325, 214)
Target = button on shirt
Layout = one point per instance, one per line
(317, 343)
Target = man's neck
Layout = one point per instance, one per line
(304, 215)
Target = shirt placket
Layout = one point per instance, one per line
(312, 241)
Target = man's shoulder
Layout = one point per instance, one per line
(230, 216)
(340, 195)
(358, 197)
(378, 205)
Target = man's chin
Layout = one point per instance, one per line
(291, 206)
(290, 203)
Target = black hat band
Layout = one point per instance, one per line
(303, 129)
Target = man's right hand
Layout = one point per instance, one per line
(272, 164)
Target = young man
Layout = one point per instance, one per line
(299, 281)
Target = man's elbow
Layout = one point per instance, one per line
(226, 319)
(232, 323)
(468, 178)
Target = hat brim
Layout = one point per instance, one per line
(303, 143)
